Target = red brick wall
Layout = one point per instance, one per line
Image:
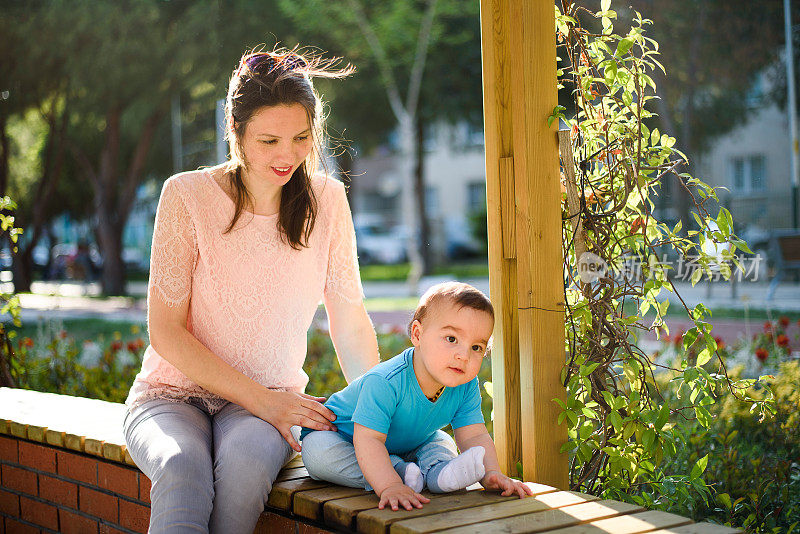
(48, 489)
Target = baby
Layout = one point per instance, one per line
(389, 420)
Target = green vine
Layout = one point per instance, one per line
(621, 425)
(9, 302)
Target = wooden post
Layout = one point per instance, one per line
(524, 222)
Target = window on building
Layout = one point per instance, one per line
(476, 196)
(748, 174)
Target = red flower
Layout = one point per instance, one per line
(575, 130)
(720, 343)
(782, 340)
(767, 326)
(666, 338)
(28, 342)
(116, 346)
(762, 354)
(63, 334)
(784, 321)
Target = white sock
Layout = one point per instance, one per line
(463, 470)
(413, 477)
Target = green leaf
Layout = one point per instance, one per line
(690, 337)
(724, 221)
(696, 276)
(615, 419)
(699, 468)
(648, 438)
(605, 5)
(655, 137)
(741, 245)
(704, 357)
(663, 417)
(610, 71)
(623, 46)
(607, 27)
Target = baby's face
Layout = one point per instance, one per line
(451, 342)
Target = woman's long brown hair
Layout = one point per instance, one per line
(280, 77)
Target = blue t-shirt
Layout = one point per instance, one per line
(388, 399)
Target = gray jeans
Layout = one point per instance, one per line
(329, 456)
(209, 473)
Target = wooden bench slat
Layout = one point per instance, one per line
(341, 513)
(628, 524)
(297, 461)
(310, 504)
(378, 521)
(699, 528)
(548, 519)
(487, 513)
(282, 492)
(291, 473)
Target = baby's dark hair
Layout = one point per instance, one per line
(461, 294)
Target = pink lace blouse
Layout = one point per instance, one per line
(252, 297)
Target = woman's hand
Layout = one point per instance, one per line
(284, 409)
(495, 480)
(403, 495)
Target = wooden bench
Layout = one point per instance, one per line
(784, 247)
(64, 468)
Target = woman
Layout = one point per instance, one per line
(242, 255)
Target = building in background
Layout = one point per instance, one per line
(753, 161)
(455, 189)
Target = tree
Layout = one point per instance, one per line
(38, 95)
(400, 57)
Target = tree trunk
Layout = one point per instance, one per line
(45, 188)
(4, 148)
(112, 279)
(407, 129)
(115, 193)
(419, 190)
(22, 270)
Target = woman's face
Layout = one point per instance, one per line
(276, 141)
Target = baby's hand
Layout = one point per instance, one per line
(401, 494)
(495, 480)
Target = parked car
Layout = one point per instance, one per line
(380, 244)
